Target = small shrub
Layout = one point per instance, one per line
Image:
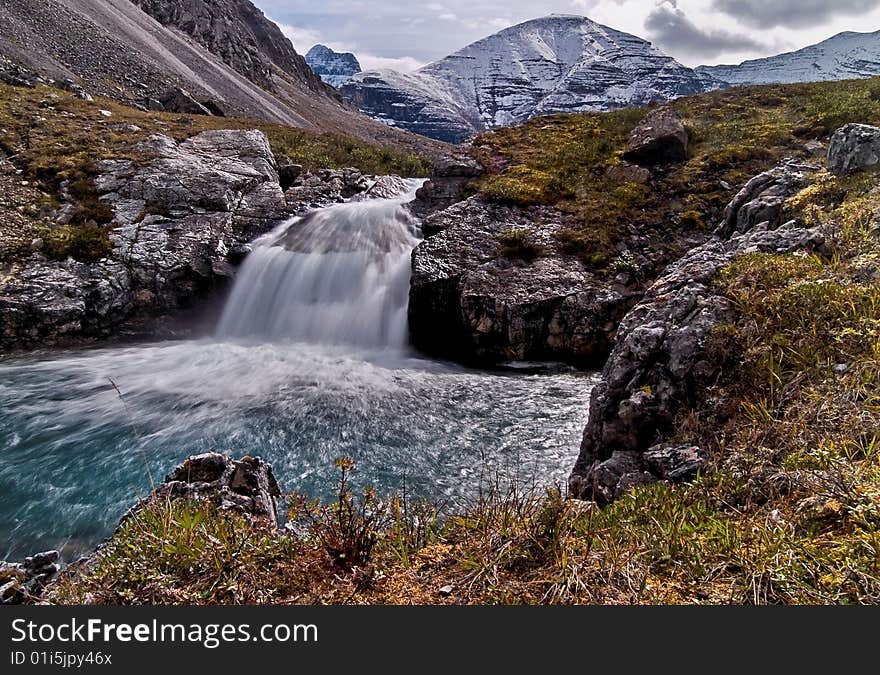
(87, 242)
(347, 529)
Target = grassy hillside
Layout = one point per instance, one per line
(735, 134)
(52, 136)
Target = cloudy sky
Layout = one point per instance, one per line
(405, 35)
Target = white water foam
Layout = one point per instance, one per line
(338, 276)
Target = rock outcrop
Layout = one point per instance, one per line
(246, 486)
(854, 148)
(478, 296)
(446, 185)
(177, 218)
(659, 139)
(240, 34)
(660, 361)
(24, 582)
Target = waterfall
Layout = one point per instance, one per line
(339, 275)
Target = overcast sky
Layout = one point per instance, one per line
(405, 35)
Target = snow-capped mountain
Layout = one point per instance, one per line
(334, 68)
(554, 64)
(842, 57)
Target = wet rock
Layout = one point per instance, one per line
(246, 486)
(309, 191)
(660, 362)
(660, 138)
(854, 148)
(24, 582)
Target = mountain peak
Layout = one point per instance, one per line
(552, 64)
(334, 68)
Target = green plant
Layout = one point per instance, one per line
(348, 528)
(87, 242)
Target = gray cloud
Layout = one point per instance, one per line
(671, 30)
(791, 13)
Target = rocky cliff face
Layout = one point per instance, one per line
(549, 65)
(492, 285)
(334, 68)
(842, 57)
(240, 34)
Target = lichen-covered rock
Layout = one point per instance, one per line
(246, 486)
(762, 199)
(176, 220)
(474, 299)
(660, 361)
(854, 148)
(660, 138)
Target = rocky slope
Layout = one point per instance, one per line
(844, 56)
(334, 68)
(662, 358)
(548, 65)
(211, 57)
(240, 34)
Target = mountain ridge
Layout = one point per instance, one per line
(840, 57)
(570, 63)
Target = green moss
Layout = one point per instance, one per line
(85, 242)
(517, 244)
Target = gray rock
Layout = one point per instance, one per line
(446, 185)
(764, 196)
(854, 148)
(23, 583)
(659, 139)
(659, 363)
(471, 303)
(180, 101)
(176, 219)
(246, 486)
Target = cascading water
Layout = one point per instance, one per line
(339, 275)
(305, 367)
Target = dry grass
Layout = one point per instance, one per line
(735, 134)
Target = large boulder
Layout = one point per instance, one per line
(446, 185)
(854, 148)
(176, 218)
(660, 362)
(661, 138)
(180, 101)
(492, 285)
